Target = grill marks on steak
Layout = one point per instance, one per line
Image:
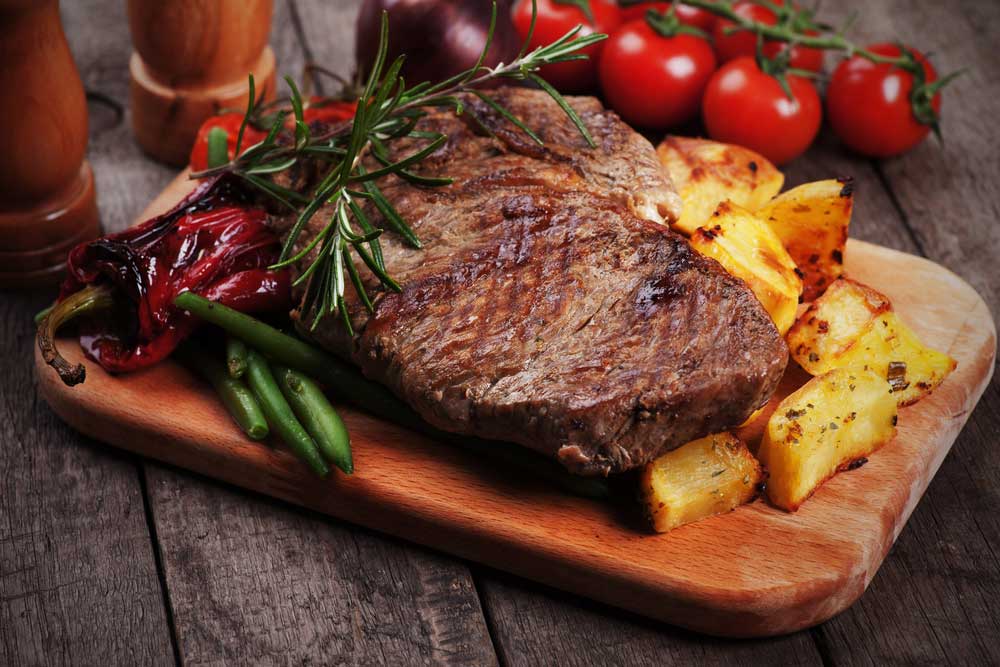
(547, 309)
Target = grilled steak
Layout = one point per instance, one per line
(550, 306)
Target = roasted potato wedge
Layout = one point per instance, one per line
(854, 326)
(704, 477)
(812, 221)
(831, 424)
(749, 249)
(707, 173)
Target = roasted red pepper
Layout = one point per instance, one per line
(214, 243)
(230, 122)
(319, 109)
(328, 110)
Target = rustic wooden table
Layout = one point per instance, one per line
(106, 558)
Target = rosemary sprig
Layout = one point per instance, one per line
(387, 110)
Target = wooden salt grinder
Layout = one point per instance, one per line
(191, 59)
(47, 201)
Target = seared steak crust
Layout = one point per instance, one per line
(549, 307)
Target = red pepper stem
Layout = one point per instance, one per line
(90, 299)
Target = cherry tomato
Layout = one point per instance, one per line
(554, 20)
(745, 106)
(801, 57)
(230, 122)
(327, 110)
(869, 104)
(686, 14)
(654, 81)
(744, 42)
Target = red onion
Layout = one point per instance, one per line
(439, 37)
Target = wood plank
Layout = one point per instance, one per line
(251, 579)
(78, 581)
(934, 599)
(864, 235)
(451, 499)
(948, 192)
(535, 625)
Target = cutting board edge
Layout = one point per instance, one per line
(725, 611)
(737, 613)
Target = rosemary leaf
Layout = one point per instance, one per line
(564, 105)
(281, 194)
(429, 181)
(251, 100)
(386, 110)
(401, 164)
(486, 48)
(273, 167)
(302, 132)
(392, 216)
(496, 106)
(371, 233)
(345, 317)
(531, 30)
(293, 235)
(379, 273)
(356, 281)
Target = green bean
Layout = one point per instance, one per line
(239, 400)
(350, 385)
(236, 357)
(320, 419)
(339, 377)
(279, 414)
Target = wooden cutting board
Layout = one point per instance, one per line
(754, 572)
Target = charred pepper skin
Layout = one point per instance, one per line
(215, 242)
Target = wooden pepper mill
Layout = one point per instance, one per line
(191, 59)
(47, 200)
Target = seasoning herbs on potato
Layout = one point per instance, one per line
(789, 248)
(830, 424)
(749, 249)
(707, 173)
(702, 478)
(854, 326)
(812, 222)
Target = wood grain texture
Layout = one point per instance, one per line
(700, 577)
(78, 583)
(535, 625)
(251, 580)
(934, 598)
(255, 582)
